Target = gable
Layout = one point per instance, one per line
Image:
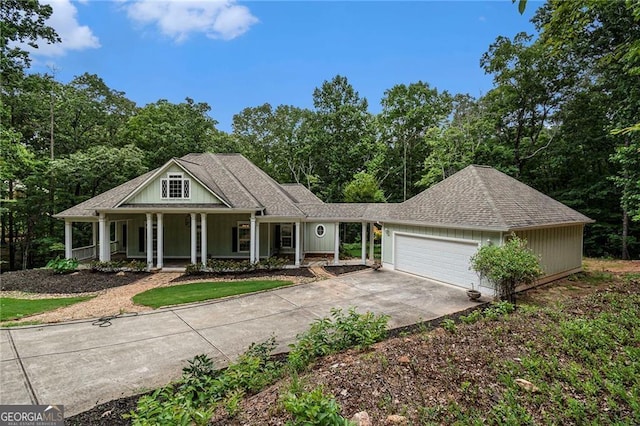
(184, 189)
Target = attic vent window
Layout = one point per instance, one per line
(175, 186)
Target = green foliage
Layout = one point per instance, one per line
(197, 292)
(507, 266)
(194, 269)
(60, 265)
(449, 325)
(313, 408)
(336, 333)
(217, 266)
(11, 309)
(363, 189)
(118, 265)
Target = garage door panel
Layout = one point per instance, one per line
(442, 260)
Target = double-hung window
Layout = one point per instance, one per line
(244, 236)
(175, 187)
(286, 236)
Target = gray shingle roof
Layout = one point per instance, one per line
(344, 211)
(300, 193)
(482, 197)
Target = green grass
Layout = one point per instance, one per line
(197, 292)
(355, 250)
(20, 324)
(12, 309)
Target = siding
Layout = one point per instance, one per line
(560, 249)
(151, 193)
(389, 229)
(314, 244)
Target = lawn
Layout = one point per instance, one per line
(355, 250)
(197, 292)
(11, 309)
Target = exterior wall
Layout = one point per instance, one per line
(151, 193)
(560, 249)
(465, 234)
(315, 244)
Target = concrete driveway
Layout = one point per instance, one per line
(80, 364)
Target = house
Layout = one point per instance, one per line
(205, 206)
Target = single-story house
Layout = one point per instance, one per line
(204, 206)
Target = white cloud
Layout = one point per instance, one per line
(178, 19)
(64, 20)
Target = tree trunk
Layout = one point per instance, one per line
(12, 244)
(625, 235)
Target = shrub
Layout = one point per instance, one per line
(313, 408)
(507, 266)
(194, 269)
(118, 265)
(60, 265)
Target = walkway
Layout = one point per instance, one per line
(81, 364)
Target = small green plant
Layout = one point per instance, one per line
(449, 325)
(473, 317)
(313, 408)
(507, 266)
(60, 265)
(117, 266)
(194, 269)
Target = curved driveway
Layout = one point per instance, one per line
(80, 364)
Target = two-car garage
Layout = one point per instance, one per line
(441, 259)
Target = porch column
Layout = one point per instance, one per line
(194, 238)
(160, 237)
(298, 249)
(203, 238)
(102, 237)
(336, 245)
(363, 242)
(149, 244)
(107, 248)
(257, 241)
(94, 238)
(68, 241)
(371, 242)
(252, 246)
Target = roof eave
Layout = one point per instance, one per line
(550, 225)
(443, 225)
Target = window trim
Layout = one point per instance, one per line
(282, 228)
(165, 186)
(324, 230)
(241, 225)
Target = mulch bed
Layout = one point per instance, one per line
(344, 269)
(45, 281)
(298, 272)
(110, 413)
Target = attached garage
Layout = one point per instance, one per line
(441, 259)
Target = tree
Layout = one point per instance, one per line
(507, 266)
(408, 114)
(363, 189)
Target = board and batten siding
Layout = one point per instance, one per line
(464, 234)
(315, 244)
(151, 193)
(560, 248)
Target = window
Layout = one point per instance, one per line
(320, 231)
(244, 236)
(175, 186)
(286, 236)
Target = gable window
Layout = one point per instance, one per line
(175, 186)
(320, 230)
(244, 236)
(286, 236)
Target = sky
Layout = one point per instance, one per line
(234, 55)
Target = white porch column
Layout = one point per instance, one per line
(160, 237)
(68, 240)
(363, 243)
(194, 238)
(371, 242)
(252, 246)
(336, 246)
(102, 237)
(203, 238)
(107, 247)
(257, 241)
(149, 244)
(298, 244)
(94, 238)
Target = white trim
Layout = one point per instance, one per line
(324, 230)
(68, 239)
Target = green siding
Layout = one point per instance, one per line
(151, 193)
(560, 249)
(465, 234)
(315, 244)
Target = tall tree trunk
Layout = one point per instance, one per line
(12, 244)
(52, 183)
(625, 234)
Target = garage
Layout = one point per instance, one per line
(445, 260)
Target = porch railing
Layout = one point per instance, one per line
(83, 253)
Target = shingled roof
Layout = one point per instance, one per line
(482, 197)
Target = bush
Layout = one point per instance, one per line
(194, 269)
(507, 266)
(60, 265)
(313, 408)
(118, 265)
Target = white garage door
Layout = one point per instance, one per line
(442, 260)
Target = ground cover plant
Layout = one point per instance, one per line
(197, 292)
(12, 308)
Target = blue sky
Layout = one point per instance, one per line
(234, 55)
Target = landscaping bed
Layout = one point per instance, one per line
(344, 269)
(297, 272)
(45, 281)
